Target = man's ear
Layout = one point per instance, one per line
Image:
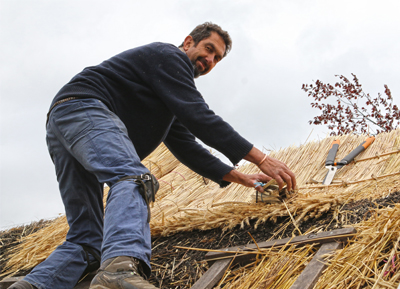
(188, 42)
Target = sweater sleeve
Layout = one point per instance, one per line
(188, 151)
(172, 80)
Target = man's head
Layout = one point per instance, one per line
(205, 46)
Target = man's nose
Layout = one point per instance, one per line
(210, 59)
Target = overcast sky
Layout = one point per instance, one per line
(277, 46)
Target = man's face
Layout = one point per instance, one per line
(206, 54)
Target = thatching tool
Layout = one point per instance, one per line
(271, 194)
(330, 160)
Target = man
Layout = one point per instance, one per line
(103, 123)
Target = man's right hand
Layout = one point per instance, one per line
(250, 181)
(273, 168)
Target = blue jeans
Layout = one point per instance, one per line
(89, 146)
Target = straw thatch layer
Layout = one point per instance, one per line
(187, 201)
(192, 203)
(369, 260)
(276, 268)
(372, 258)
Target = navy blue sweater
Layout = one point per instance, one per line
(151, 88)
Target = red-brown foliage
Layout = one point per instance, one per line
(354, 111)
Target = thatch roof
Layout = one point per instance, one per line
(369, 260)
(187, 201)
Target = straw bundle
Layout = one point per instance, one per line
(36, 247)
(187, 201)
(278, 268)
(372, 258)
(161, 162)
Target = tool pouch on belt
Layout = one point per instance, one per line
(148, 188)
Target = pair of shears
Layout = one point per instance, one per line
(330, 160)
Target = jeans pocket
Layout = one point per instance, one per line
(72, 121)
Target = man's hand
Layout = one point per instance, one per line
(280, 172)
(247, 180)
(273, 168)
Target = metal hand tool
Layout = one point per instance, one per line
(271, 192)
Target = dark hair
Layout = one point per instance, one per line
(204, 30)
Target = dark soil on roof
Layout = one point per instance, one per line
(180, 268)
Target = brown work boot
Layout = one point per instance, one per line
(120, 273)
(22, 285)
